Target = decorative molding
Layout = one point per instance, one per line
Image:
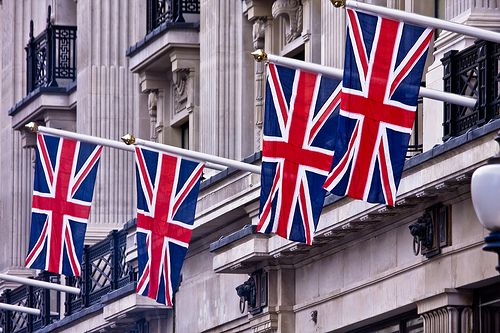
(291, 11)
(259, 32)
(153, 114)
(180, 90)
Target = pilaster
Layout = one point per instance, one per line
(226, 115)
(333, 29)
(260, 15)
(448, 312)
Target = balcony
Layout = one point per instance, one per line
(162, 11)
(51, 57)
(472, 72)
(50, 79)
(107, 290)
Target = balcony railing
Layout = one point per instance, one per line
(51, 56)
(160, 11)
(33, 297)
(104, 269)
(472, 72)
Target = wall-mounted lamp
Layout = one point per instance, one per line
(247, 292)
(485, 192)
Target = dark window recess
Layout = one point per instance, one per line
(487, 309)
(161, 11)
(432, 231)
(51, 56)
(185, 135)
(472, 72)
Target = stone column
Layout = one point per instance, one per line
(108, 102)
(16, 169)
(259, 14)
(226, 80)
(448, 312)
(333, 30)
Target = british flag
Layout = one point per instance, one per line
(297, 151)
(65, 173)
(167, 191)
(383, 68)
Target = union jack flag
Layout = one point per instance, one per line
(167, 191)
(383, 67)
(65, 173)
(297, 151)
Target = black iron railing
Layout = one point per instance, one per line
(104, 269)
(33, 297)
(160, 11)
(51, 56)
(415, 145)
(472, 72)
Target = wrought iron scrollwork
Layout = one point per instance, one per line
(104, 268)
(161, 11)
(51, 56)
(472, 72)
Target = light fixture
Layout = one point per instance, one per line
(485, 192)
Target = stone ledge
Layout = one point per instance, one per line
(157, 32)
(226, 240)
(39, 91)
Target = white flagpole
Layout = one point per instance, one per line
(96, 140)
(41, 284)
(421, 20)
(24, 309)
(130, 139)
(18, 308)
(337, 73)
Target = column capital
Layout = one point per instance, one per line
(450, 297)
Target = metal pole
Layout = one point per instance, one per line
(41, 284)
(337, 73)
(95, 140)
(19, 308)
(423, 21)
(11, 307)
(130, 139)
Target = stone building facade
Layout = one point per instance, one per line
(180, 72)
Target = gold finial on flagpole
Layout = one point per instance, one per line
(259, 55)
(338, 3)
(32, 127)
(129, 139)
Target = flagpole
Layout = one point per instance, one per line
(18, 308)
(421, 20)
(41, 284)
(130, 139)
(261, 55)
(24, 309)
(95, 140)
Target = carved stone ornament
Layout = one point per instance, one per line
(180, 78)
(291, 10)
(259, 32)
(152, 110)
